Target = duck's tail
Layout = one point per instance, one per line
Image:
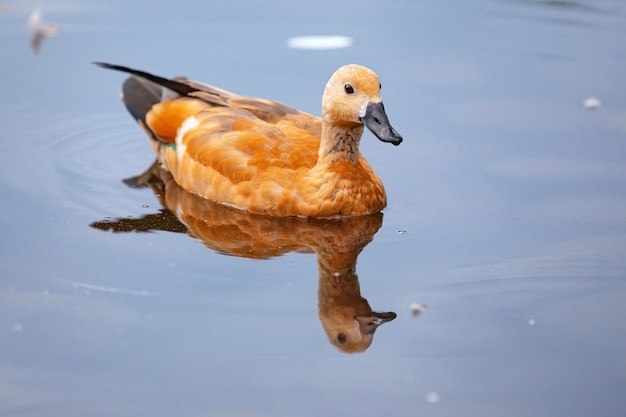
(144, 90)
(144, 95)
(173, 84)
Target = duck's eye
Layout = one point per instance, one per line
(348, 89)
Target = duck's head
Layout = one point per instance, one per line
(350, 332)
(352, 97)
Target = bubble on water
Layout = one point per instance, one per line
(531, 322)
(591, 103)
(319, 42)
(432, 397)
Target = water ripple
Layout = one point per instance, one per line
(89, 164)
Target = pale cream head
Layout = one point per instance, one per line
(352, 98)
(348, 92)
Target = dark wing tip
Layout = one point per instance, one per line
(176, 86)
(103, 64)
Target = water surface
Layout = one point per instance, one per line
(506, 218)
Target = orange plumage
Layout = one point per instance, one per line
(263, 156)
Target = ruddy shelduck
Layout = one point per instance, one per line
(263, 156)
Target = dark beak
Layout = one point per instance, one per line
(376, 121)
(369, 324)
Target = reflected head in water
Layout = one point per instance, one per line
(346, 317)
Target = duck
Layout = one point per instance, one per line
(263, 156)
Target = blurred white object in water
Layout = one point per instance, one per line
(432, 397)
(417, 309)
(319, 42)
(591, 103)
(40, 30)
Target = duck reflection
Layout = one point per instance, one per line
(346, 316)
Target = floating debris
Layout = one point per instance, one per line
(591, 103)
(40, 30)
(402, 232)
(432, 397)
(417, 309)
(319, 42)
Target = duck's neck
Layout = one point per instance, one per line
(340, 143)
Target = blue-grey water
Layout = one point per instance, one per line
(506, 221)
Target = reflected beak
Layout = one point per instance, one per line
(376, 121)
(369, 324)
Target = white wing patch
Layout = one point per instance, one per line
(190, 123)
